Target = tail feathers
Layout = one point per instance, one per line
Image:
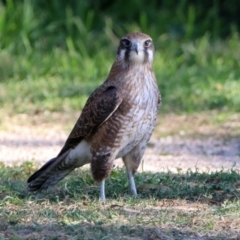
(41, 170)
(50, 173)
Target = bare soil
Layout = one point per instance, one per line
(205, 142)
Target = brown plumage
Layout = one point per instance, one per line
(116, 122)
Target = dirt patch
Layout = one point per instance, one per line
(204, 142)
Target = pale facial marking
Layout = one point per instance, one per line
(150, 56)
(136, 49)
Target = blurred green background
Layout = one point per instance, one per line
(53, 54)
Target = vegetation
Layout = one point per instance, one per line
(53, 55)
(169, 206)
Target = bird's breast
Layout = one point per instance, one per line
(140, 107)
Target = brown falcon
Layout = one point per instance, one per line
(116, 122)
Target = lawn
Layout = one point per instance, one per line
(170, 206)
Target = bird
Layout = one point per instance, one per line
(117, 120)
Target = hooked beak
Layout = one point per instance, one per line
(135, 48)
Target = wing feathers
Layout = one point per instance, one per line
(100, 106)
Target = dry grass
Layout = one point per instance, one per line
(218, 123)
(203, 124)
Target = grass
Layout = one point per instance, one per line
(192, 76)
(169, 206)
(52, 60)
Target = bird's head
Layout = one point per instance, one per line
(135, 48)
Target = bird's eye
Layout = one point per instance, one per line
(147, 43)
(126, 43)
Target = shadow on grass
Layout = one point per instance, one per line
(212, 188)
(112, 231)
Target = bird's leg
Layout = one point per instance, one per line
(102, 197)
(132, 183)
